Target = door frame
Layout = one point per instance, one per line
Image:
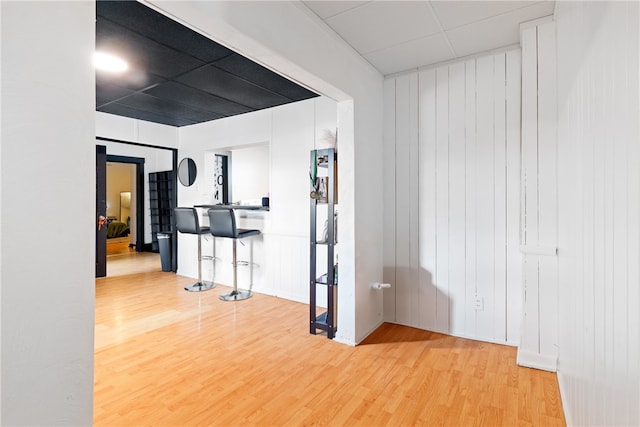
(174, 162)
(101, 210)
(139, 162)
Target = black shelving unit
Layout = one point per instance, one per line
(323, 177)
(161, 201)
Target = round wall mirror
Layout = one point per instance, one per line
(187, 172)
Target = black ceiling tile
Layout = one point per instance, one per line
(125, 110)
(197, 99)
(160, 50)
(167, 107)
(142, 53)
(128, 111)
(233, 88)
(110, 91)
(243, 67)
(131, 79)
(164, 30)
(101, 101)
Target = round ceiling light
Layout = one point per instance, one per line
(107, 62)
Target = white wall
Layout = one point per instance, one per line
(289, 38)
(599, 211)
(47, 260)
(538, 346)
(132, 130)
(452, 173)
(139, 131)
(250, 171)
(282, 251)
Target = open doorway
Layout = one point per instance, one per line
(140, 161)
(125, 216)
(120, 203)
(121, 219)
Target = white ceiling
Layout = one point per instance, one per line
(400, 35)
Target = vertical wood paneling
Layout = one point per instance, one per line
(630, 111)
(538, 346)
(457, 198)
(427, 199)
(456, 209)
(285, 266)
(389, 195)
(514, 259)
(599, 196)
(442, 199)
(403, 200)
(470, 209)
(620, 147)
(547, 188)
(413, 215)
(529, 181)
(500, 199)
(485, 194)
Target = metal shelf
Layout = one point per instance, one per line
(323, 193)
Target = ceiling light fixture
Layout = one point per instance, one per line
(106, 62)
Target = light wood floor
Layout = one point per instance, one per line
(167, 357)
(123, 260)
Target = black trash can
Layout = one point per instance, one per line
(164, 245)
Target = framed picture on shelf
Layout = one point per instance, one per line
(322, 189)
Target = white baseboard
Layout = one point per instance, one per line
(537, 361)
(467, 337)
(483, 339)
(341, 340)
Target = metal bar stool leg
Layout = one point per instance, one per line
(235, 294)
(201, 285)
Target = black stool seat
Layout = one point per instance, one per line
(246, 233)
(222, 222)
(187, 222)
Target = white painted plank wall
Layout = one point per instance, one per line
(427, 200)
(539, 337)
(513, 153)
(599, 211)
(453, 131)
(388, 193)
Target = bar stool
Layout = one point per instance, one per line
(222, 222)
(187, 223)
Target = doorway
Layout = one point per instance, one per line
(120, 206)
(121, 212)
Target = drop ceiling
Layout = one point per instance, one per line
(396, 36)
(177, 76)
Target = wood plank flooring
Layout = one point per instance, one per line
(167, 357)
(123, 260)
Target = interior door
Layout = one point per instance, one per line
(101, 211)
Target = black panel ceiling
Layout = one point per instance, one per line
(176, 76)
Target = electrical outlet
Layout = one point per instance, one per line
(479, 304)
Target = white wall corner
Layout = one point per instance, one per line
(534, 23)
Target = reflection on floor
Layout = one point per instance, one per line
(119, 246)
(122, 259)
